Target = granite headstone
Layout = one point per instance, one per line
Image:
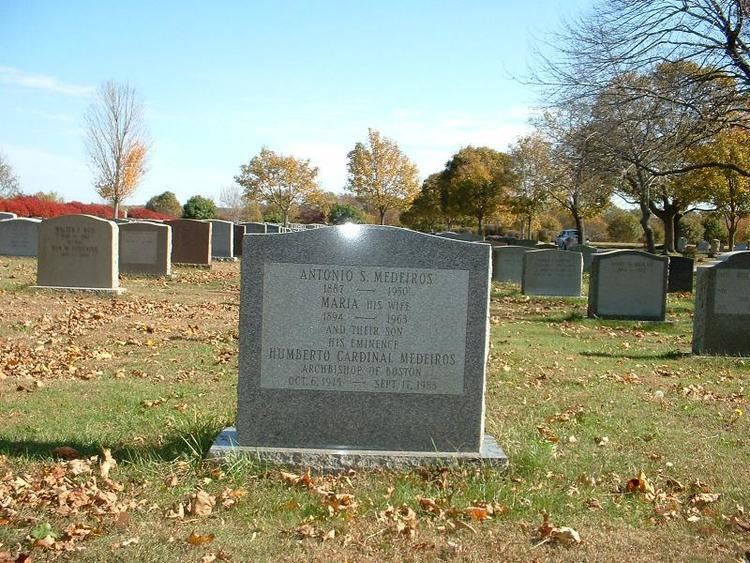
(680, 274)
(19, 237)
(628, 284)
(552, 272)
(78, 251)
(191, 242)
(239, 233)
(588, 252)
(361, 339)
(721, 320)
(257, 228)
(146, 248)
(222, 239)
(507, 263)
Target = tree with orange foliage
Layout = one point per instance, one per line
(117, 142)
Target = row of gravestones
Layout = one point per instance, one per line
(559, 272)
(149, 247)
(631, 284)
(81, 251)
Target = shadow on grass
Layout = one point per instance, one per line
(191, 445)
(574, 316)
(671, 355)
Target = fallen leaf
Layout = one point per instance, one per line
(202, 504)
(478, 513)
(200, 539)
(639, 484)
(66, 452)
(107, 464)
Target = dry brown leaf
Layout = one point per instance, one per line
(566, 536)
(639, 484)
(46, 542)
(200, 539)
(201, 504)
(547, 434)
(702, 499)
(107, 464)
(66, 452)
(478, 513)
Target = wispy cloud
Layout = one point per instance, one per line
(17, 77)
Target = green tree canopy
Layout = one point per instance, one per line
(342, 213)
(166, 203)
(199, 207)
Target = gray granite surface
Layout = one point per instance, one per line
(507, 263)
(145, 248)
(19, 237)
(363, 337)
(552, 272)
(222, 239)
(628, 284)
(79, 251)
(721, 320)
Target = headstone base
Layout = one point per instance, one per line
(100, 290)
(323, 460)
(188, 265)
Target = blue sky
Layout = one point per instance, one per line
(219, 80)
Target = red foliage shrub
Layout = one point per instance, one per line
(143, 213)
(30, 206)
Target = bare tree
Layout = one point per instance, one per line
(116, 142)
(233, 200)
(577, 178)
(8, 181)
(707, 39)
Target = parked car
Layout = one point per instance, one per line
(567, 238)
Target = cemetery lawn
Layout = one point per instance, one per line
(613, 429)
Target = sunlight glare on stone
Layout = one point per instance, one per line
(350, 230)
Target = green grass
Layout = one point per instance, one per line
(663, 411)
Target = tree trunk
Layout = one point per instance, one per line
(732, 225)
(480, 221)
(382, 215)
(116, 208)
(579, 225)
(286, 217)
(648, 232)
(667, 215)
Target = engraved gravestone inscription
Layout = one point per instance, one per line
(370, 330)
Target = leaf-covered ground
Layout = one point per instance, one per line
(622, 445)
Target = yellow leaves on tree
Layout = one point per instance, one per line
(279, 180)
(381, 175)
